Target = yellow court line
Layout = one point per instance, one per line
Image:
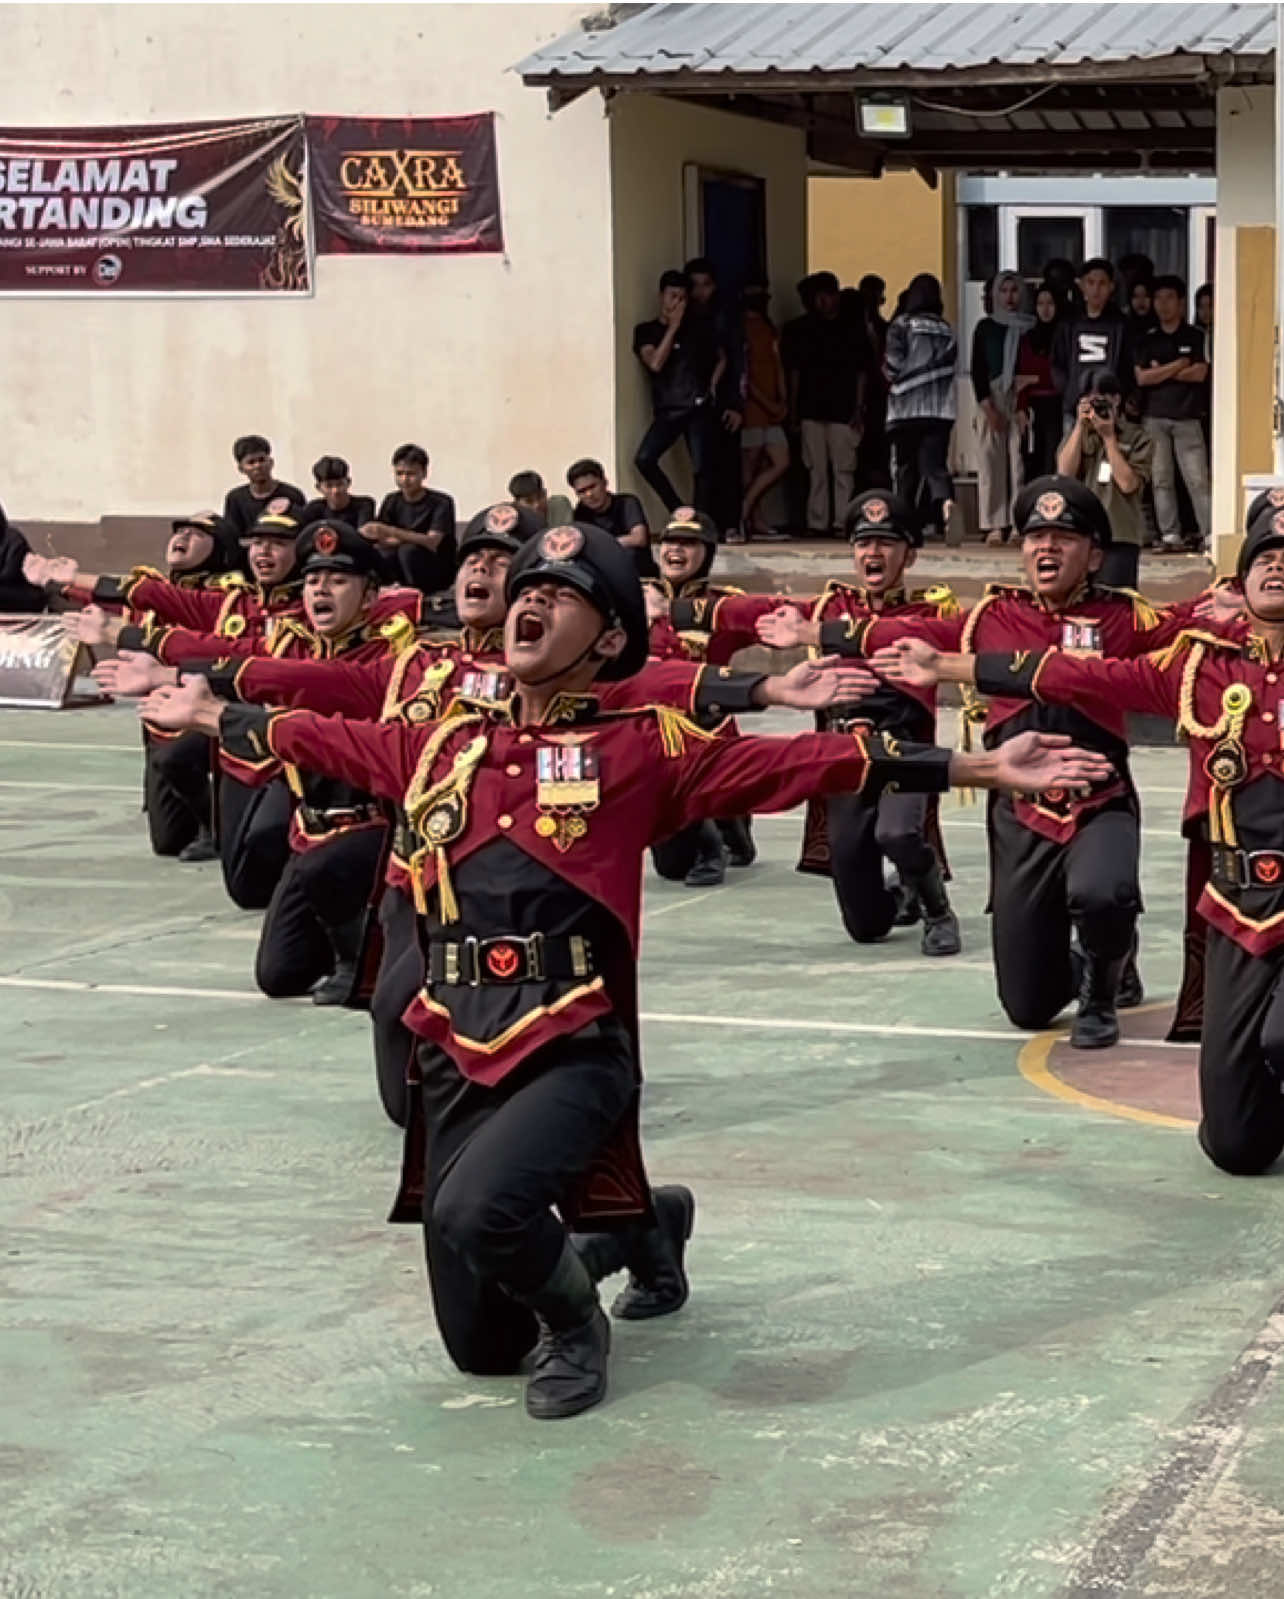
(1032, 1063)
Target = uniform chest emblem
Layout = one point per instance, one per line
(567, 790)
(1080, 636)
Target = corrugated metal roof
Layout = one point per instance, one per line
(665, 40)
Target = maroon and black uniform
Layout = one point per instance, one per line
(1057, 861)
(846, 840)
(528, 844)
(1227, 698)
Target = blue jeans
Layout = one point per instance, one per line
(695, 427)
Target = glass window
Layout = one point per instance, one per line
(982, 243)
(1160, 232)
(1042, 239)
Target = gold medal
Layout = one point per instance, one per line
(418, 711)
(545, 825)
(566, 786)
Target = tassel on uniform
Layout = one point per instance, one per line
(447, 903)
(675, 730)
(400, 633)
(972, 711)
(942, 596)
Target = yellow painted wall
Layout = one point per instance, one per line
(494, 363)
(894, 225)
(651, 141)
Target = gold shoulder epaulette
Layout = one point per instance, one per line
(1144, 613)
(993, 591)
(833, 585)
(1186, 640)
(725, 589)
(230, 580)
(942, 596)
(400, 633)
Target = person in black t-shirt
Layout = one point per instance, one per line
(1097, 337)
(243, 505)
(335, 501)
(1172, 371)
(620, 515)
(686, 362)
(415, 526)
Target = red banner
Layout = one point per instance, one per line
(206, 208)
(405, 185)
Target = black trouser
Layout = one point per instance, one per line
(921, 465)
(1044, 437)
(323, 888)
(695, 426)
(415, 567)
(674, 857)
(176, 790)
(1241, 1057)
(1120, 565)
(253, 839)
(400, 977)
(1039, 890)
(860, 836)
(498, 1160)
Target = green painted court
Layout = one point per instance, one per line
(955, 1330)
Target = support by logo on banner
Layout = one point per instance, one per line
(209, 208)
(39, 659)
(405, 185)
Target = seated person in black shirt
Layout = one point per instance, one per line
(335, 500)
(415, 527)
(620, 515)
(683, 351)
(16, 593)
(244, 505)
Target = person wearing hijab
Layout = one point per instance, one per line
(920, 361)
(16, 594)
(1039, 394)
(999, 414)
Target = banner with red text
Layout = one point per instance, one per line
(405, 185)
(204, 208)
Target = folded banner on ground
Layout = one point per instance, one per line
(208, 208)
(38, 660)
(405, 185)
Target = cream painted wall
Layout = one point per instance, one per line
(494, 364)
(652, 139)
(894, 225)
(1245, 199)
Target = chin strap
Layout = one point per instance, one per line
(539, 682)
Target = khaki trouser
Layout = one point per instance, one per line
(999, 471)
(826, 445)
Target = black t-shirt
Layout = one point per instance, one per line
(1173, 400)
(622, 514)
(434, 512)
(830, 358)
(242, 508)
(683, 382)
(410, 564)
(359, 510)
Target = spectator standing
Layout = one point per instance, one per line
(1172, 372)
(922, 356)
(724, 327)
(682, 355)
(1042, 401)
(415, 526)
(16, 594)
(1110, 455)
(1000, 418)
(874, 469)
(1140, 315)
(620, 515)
(527, 491)
(1059, 275)
(1204, 316)
(827, 357)
(1096, 339)
(764, 447)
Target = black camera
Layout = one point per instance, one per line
(1100, 406)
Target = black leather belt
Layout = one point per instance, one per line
(508, 959)
(314, 821)
(1247, 868)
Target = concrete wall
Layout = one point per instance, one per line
(1243, 381)
(894, 225)
(493, 363)
(651, 142)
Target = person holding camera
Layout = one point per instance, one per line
(1110, 455)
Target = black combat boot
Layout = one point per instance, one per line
(338, 988)
(710, 866)
(737, 835)
(656, 1259)
(202, 848)
(940, 924)
(908, 909)
(1097, 1026)
(568, 1368)
(1131, 993)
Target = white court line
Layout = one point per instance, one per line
(76, 788)
(781, 1024)
(680, 904)
(36, 744)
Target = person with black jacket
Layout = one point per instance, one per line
(16, 593)
(1096, 337)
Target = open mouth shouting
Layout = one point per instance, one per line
(322, 607)
(1047, 567)
(530, 628)
(477, 591)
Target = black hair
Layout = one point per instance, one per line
(250, 444)
(525, 485)
(871, 284)
(330, 467)
(1097, 263)
(1169, 280)
(673, 279)
(586, 467)
(923, 293)
(411, 455)
(1100, 380)
(700, 264)
(1135, 266)
(1204, 289)
(824, 283)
